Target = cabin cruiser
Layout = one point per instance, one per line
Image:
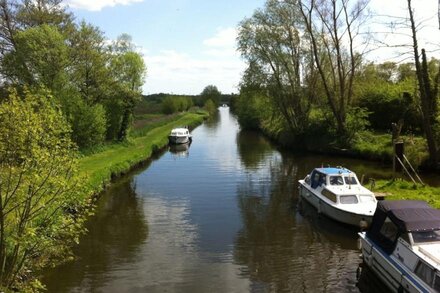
(179, 136)
(402, 246)
(337, 193)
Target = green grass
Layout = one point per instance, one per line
(401, 189)
(378, 146)
(112, 160)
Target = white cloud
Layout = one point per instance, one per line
(96, 5)
(218, 64)
(223, 38)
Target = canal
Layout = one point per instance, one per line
(221, 216)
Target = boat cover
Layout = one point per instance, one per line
(407, 215)
(333, 170)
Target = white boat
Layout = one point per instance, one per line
(179, 136)
(337, 193)
(402, 246)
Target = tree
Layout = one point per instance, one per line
(89, 56)
(40, 59)
(128, 70)
(270, 42)
(428, 92)
(210, 92)
(38, 184)
(333, 28)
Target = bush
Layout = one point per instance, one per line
(39, 160)
(88, 125)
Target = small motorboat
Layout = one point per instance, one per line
(337, 193)
(402, 246)
(179, 136)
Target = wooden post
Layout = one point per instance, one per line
(398, 153)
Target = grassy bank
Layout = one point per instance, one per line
(400, 189)
(113, 160)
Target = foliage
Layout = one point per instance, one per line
(38, 188)
(210, 107)
(276, 55)
(39, 60)
(173, 104)
(128, 70)
(210, 92)
(89, 124)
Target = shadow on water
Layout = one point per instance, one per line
(114, 235)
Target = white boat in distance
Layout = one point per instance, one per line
(179, 136)
(402, 246)
(337, 193)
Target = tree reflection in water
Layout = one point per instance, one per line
(283, 248)
(115, 233)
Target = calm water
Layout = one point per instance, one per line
(221, 216)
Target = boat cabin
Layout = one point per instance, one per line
(414, 221)
(179, 132)
(338, 185)
(410, 231)
(331, 177)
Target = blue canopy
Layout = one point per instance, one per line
(333, 170)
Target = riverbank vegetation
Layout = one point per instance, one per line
(309, 85)
(72, 116)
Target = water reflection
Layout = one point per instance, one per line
(179, 150)
(252, 148)
(225, 219)
(108, 243)
(282, 250)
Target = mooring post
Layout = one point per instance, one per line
(398, 153)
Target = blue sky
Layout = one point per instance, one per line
(189, 44)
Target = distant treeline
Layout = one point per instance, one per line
(172, 103)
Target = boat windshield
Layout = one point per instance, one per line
(426, 236)
(351, 180)
(348, 199)
(336, 180)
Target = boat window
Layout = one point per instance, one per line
(424, 272)
(366, 198)
(328, 194)
(336, 180)
(318, 179)
(348, 199)
(307, 180)
(351, 180)
(426, 236)
(437, 283)
(389, 230)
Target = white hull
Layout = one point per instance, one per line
(331, 211)
(178, 139)
(396, 276)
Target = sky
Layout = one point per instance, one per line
(189, 44)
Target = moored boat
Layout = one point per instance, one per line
(402, 246)
(179, 136)
(337, 193)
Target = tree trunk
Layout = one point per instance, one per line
(425, 93)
